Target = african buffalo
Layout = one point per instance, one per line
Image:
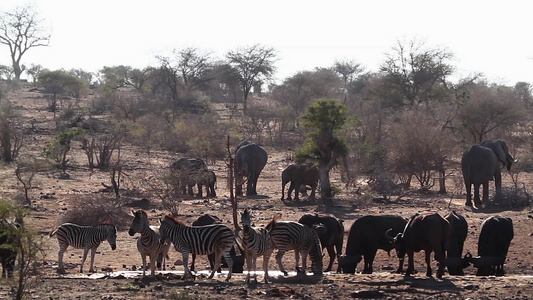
(238, 260)
(494, 240)
(366, 236)
(428, 232)
(454, 250)
(331, 238)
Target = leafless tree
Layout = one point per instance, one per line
(22, 30)
(251, 65)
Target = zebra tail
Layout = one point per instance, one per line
(270, 226)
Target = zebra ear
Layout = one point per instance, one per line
(133, 212)
(160, 221)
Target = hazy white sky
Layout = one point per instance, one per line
(491, 37)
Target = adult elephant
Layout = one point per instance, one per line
(481, 164)
(250, 159)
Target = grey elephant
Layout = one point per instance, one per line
(481, 164)
(299, 175)
(210, 180)
(250, 159)
(190, 172)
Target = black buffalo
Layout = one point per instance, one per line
(494, 241)
(429, 232)
(8, 253)
(454, 250)
(331, 236)
(366, 236)
(238, 260)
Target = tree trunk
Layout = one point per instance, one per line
(325, 184)
(442, 181)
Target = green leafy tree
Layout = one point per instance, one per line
(325, 118)
(56, 83)
(21, 30)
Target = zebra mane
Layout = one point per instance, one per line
(171, 218)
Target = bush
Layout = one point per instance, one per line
(96, 209)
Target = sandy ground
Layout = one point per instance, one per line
(52, 198)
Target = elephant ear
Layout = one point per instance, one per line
(501, 149)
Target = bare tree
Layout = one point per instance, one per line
(252, 65)
(21, 30)
(415, 75)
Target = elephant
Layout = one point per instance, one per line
(190, 172)
(210, 180)
(299, 175)
(250, 159)
(481, 164)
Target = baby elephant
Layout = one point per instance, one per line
(298, 175)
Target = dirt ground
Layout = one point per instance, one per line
(52, 198)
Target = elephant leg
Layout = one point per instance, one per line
(289, 192)
(313, 191)
(283, 184)
(199, 185)
(485, 192)
(477, 201)
(251, 187)
(189, 189)
(297, 191)
(498, 185)
(468, 194)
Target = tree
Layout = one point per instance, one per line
(325, 118)
(11, 133)
(193, 67)
(59, 82)
(21, 30)
(251, 65)
(487, 108)
(415, 75)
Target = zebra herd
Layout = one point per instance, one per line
(217, 239)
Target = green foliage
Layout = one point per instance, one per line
(325, 118)
(325, 115)
(57, 148)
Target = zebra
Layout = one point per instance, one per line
(86, 237)
(256, 242)
(199, 240)
(288, 235)
(149, 244)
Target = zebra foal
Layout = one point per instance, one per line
(255, 242)
(149, 244)
(199, 240)
(83, 237)
(288, 235)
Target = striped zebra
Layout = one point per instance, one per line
(149, 244)
(83, 237)
(256, 242)
(287, 235)
(199, 240)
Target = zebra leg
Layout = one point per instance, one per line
(143, 257)
(85, 251)
(254, 260)
(185, 255)
(304, 262)
(218, 258)
(93, 252)
(297, 257)
(229, 261)
(266, 258)
(153, 262)
(279, 256)
(60, 259)
(249, 265)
